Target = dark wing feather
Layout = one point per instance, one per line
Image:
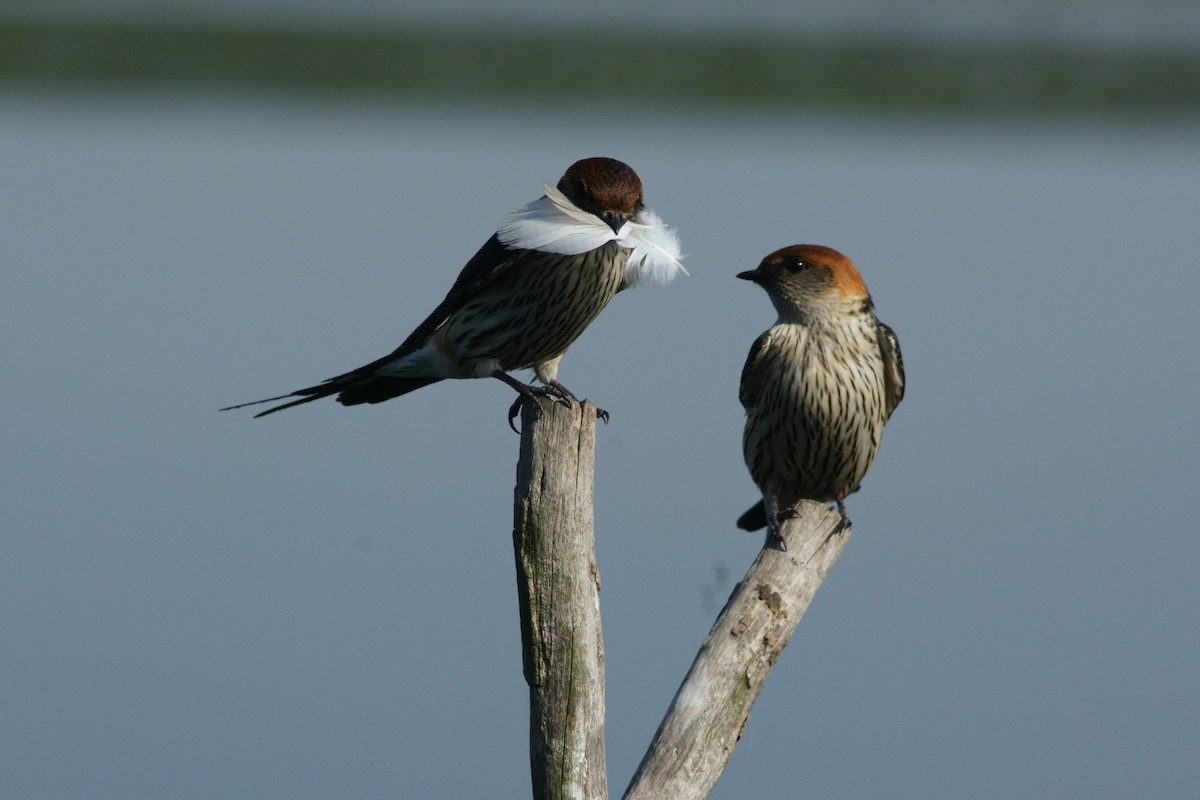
(893, 368)
(358, 385)
(491, 259)
(483, 266)
(751, 383)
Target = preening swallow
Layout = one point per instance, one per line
(549, 269)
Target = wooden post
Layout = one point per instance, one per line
(696, 738)
(558, 587)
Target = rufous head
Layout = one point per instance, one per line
(608, 188)
(805, 278)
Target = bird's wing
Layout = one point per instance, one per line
(753, 373)
(483, 267)
(491, 259)
(893, 368)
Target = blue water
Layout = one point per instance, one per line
(321, 604)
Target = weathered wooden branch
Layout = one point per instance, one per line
(697, 736)
(563, 650)
(558, 588)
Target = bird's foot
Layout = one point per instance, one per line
(601, 414)
(533, 393)
(554, 390)
(513, 410)
(775, 519)
(775, 540)
(559, 393)
(776, 516)
(843, 524)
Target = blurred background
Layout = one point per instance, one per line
(203, 203)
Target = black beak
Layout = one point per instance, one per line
(613, 220)
(751, 275)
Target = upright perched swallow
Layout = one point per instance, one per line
(549, 269)
(817, 387)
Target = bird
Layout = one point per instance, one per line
(817, 386)
(533, 287)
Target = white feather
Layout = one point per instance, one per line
(553, 224)
(656, 255)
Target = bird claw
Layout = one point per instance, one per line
(775, 539)
(601, 414)
(843, 524)
(775, 519)
(556, 392)
(513, 410)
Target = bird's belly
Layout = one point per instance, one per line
(813, 436)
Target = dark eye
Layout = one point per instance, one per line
(795, 264)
